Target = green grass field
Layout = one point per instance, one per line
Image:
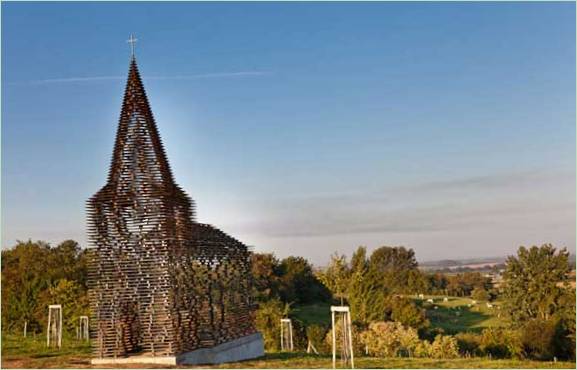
(306, 361)
(456, 316)
(31, 352)
(318, 313)
(453, 316)
(19, 353)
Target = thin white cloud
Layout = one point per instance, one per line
(486, 201)
(114, 78)
(212, 75)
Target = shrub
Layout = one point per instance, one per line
(469, 343)
(501, 343)
(408, 340)
(430, 333)
(423, 349)
(381, 339)
(267, 322)
(316, 335)
(444, 346)
(390, 339)
(299, 335)
(539, 339)
(358, 347)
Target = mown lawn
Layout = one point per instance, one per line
(31, 352)
(306, 361)
(18, 352)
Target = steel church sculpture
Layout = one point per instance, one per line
(163, 287)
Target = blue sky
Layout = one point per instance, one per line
(304, 128)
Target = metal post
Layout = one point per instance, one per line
(291, 335)
(281, 335)
(348, 316)
(48, 329)
(60, 329)
(346, 335)
(345, 342)
(334, 339)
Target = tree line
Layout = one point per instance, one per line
(538, 304)
(379, 287)
(34, 275)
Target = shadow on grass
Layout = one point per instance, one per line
(453, 320)
(45, 355)
(313, 314)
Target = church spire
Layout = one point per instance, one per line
(138, 150)
(140, 174)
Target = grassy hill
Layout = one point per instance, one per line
(459, 314)
(453, 316)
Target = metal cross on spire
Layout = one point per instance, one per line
(132, 42)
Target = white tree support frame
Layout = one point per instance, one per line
(347, 335)
(82, 330)
(286, 335)
(54, 332)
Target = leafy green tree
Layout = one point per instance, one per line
(463, 284)
(70, 262)
(533, 283)
(374, 282)
(407, 313)
(29, 271)
(298, 283)
(336, 277)
(265, 273)
(24, 277)
(480, 294)
(73, 299)
(359, 261)
(393, 259)
(417, 282)
(368, 298)
(565, 330)
(437, 283)
(394, 265)
(267, 321)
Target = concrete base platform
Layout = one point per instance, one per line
(136, 359)
(251, 346)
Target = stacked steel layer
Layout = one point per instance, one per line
(160, 283)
